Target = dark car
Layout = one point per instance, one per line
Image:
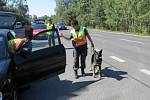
(39, 21)
(61, 26)
(38, 28)
(25, 66)
(13, 22)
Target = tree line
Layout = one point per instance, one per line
(17, 6)
(116, 15)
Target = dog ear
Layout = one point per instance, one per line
(100, 53)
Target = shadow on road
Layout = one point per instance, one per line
(107, 72)
(54, 89)
(67, 48)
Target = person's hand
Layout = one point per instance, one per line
(92, 47)
(61, 34)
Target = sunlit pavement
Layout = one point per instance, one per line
(125, 72)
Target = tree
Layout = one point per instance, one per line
(2, 4)
(65, 10)
(120, 15)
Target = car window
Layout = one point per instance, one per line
(38, 44)
(39, 26)
(2, 47)
(61, 24)
(18, 23)
(7, 21)
(39, 21)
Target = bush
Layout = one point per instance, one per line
(98, 26)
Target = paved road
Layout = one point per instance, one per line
(126, 72)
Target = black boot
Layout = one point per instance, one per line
(82, 72)
(76, 74)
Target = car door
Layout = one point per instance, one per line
(43, 61)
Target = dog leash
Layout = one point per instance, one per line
(92, 49)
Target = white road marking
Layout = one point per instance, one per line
(117, 59)
(145, 71)
(132, 41)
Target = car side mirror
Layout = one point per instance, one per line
(18, 25)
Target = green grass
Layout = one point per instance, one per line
(136, 33)
(132, 33)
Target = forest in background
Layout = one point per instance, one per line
(116, 15)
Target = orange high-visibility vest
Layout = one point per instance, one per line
(80, 38)
(16, 43)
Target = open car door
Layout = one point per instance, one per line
(43, 61)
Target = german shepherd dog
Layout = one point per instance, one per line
(96, 62)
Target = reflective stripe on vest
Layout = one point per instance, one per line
(49, 27)
(80, 38)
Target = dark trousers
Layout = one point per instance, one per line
(80, 52)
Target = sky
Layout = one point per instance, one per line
(41, 7)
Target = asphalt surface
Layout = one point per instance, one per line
(125, 69)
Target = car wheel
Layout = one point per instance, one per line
(14, 91)
(11, 91)
(11, 96)
(14, 95)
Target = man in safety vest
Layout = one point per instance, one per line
(79, 41)
(14, 44)
(50, 34)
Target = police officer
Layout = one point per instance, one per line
(79, 37)
(14, 44)
(50, 34)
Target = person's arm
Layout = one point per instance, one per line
(11, 46)
(21, 43)
(89, 37)
(53, 26)
(67, 38)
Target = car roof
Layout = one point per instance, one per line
(39, 25)
(8, 13)
(18, 17)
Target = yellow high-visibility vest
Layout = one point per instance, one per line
(80, 38)
(49, 27)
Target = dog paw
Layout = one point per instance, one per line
(90, 69)
(94, 76)
(99, 76)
